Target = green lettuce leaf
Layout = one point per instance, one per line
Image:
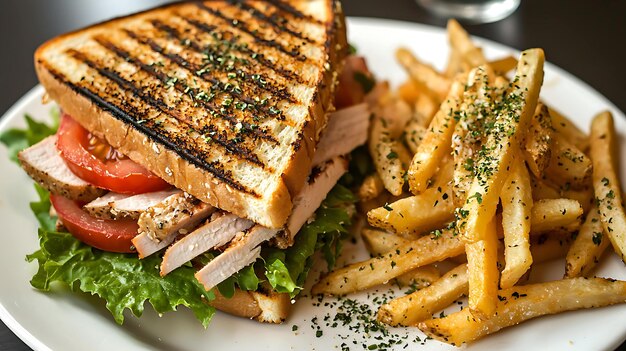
(277, 273)
(245, 279)
(122, 280)
(287, 269)
(41, 209)
(17, 140)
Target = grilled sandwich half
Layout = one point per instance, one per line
(225, 100)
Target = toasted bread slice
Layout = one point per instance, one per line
(223, 99)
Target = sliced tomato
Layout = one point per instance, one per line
(98, 163)
(352, 81)
(107, 235)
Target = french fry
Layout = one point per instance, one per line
(415, 214)
(409, 91)
(461, 42)
(521, 303)
(414, 134)
(371, 187)
(443, 178)
(491, 172)
(568, 165)
(379, 242)
(435, 247)
(424, 74)
(517, 203)
(420, 305)
(455, 64)
(378, 270)
(436, 142)
(587, 248)
(542, 190)
(508, 130)
(419, 213)
(552, 214)
(387, 155)
(537, 148)
(384, 198)
(419, 278)
(396, 113)
(425, 109)
(474, 114)
(564, 127)
(483, 273)
(584, 196)
(606, 183)
(503, 65)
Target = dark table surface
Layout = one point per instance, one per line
(586, 38)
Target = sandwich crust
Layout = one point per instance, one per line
(121, 100)
(264, 306)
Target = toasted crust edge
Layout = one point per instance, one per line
(336, 48)
(265, 307)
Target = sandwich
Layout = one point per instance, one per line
(198, 155)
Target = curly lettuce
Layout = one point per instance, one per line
(17, 140)
(122, 280)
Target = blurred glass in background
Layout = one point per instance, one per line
(471, 11)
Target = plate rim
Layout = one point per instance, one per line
(25, 100)
(7, 318)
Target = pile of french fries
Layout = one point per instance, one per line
(474, 169)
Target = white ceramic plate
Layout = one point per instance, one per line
(65, 321)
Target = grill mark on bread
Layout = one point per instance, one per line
(193, 69)
(272, 20)
(190, 155)
(281, 93)
(115, 77)
(231, 146)
(163, 77)
(252, 54)
(287, 8)
(293, 52)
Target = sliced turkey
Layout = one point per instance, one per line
(119, 206)
(161, 223)
(346, 130)
(310, 198)
(216, 233)
(146, 246)
(220, 231)
(241, 252)
(43, 163)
